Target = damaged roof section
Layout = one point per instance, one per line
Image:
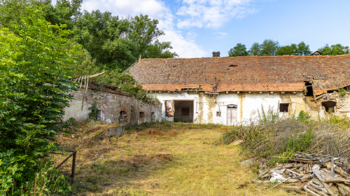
(244, 73)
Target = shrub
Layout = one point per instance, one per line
(33, 94)
(342, 92)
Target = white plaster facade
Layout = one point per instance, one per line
(248, 105)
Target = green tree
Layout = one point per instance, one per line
(255, 49)
(144, 32)
(288, 50)
(303, 49)
(105, 37)
(336, 49)
(268, 48)
(33, 93)
(62, 12)
(158, 50)
(238, 50)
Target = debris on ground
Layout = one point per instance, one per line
(237, 142)
(315, 174)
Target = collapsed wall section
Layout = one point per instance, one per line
(113, 107)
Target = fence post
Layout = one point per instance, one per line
(73, 165)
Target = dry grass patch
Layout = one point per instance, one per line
(162, 159)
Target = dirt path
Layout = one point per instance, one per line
(178, 162)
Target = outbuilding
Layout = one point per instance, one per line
(236, 90)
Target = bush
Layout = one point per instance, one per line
(33, 94)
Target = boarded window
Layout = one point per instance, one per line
(284, 107)
(142, 114)
(185, 112)
(218, 113)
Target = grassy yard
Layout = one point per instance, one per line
(159, 159)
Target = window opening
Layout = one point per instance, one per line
(99, 114)
(142, 114)
(185, 112)
(309, 89)
(329, 106)
(218, 114)
(232, 106)
(284, 107)
(122, 115)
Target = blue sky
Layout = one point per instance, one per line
(196, 28)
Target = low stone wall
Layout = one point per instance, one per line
(114, 107)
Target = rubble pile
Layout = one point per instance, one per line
(315, 174)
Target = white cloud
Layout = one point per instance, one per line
(220, 35)
(184, 47)
(212, 13)
(126, 7)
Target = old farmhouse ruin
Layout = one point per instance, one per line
(231, 90)
(113, 106)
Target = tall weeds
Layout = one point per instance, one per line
(282, 137)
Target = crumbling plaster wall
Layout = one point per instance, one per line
(110, 106)
(342, 109)
(248, 105)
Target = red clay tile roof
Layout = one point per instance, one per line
(250, 73)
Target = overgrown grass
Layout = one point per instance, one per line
(134, 164)
(278, 139)
(167, 126)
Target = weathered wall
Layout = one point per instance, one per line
(250, 104)
(110, 106)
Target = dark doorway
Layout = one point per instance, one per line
(183, 111)
(309, 89)
(329, 106)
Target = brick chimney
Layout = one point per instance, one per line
(216, 54)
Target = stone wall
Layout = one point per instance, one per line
(114, 107)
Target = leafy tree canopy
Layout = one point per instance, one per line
(300, 49)
(238, 50)
(158, 50)
(112, 42)
(105, 37)
(336, 49)
(269, 47)
(255, 49)
(63, 12)
(33, 93)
